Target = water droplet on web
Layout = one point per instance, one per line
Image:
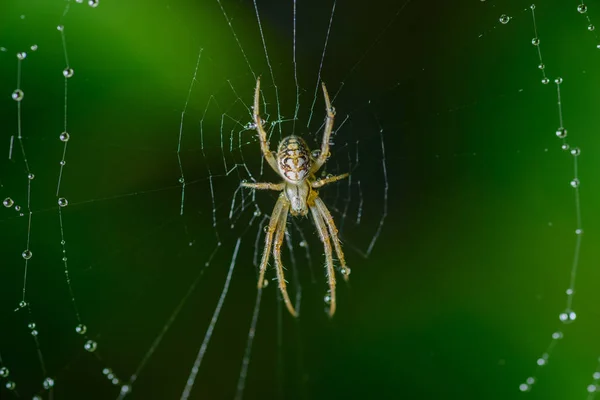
(115, 381)
(30, 176)
(257, 213)
(315, 153)
(10, 385)
(579, 231)
(567, 316)
(64, 136)
(591, 27)
(34, 333)
(181, 180)
(541, 66)
(558, 80)
(31, 325)
(582, 8)
(62, 202)
(557, 335)
(575, 183)
(565, 146)
(532, 6)
(106, 371)
(48, 383)
(4, 372)
(62, 242)
(68, 72)
(543, 360)
(90, 346)
(17, 208)
(265, 283)
(125, 389)
(62, 162)
(21, 55)
(345, 271)
(302, 244)
(504, 19)
(81, 329)
(27, 254)
(592, 388)
(545, 81)
(266, 229)
(17, 95)
(8, 202)
(327, 298)
(22, 304)
(60, 28)
(243, 181)
(535, 41)
(596, 375)
(561, 133)
(575, 151)
(569, 292)
(93, 3)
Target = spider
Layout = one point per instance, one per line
(295, 163)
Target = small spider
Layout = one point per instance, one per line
(295, 163)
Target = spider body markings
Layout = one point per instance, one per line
(297, 166)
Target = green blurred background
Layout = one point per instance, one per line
(464, 286)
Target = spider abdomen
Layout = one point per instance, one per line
(293, 159)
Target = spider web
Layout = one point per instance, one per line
(129, 257)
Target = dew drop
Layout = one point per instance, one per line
(34, 332)
(30, 176)
(8, 202)
(557, 335)
(27, 254)
(31, 325)
(62, 162)
(543, 360)
(523, 387)
(565, 146)
(327, 298)
(575, 183)
(22, 304)
(90, 346)
(181, 180)
(64, 136)
(81, 329)
(561, 133)
(265, 283)
(579, 231)
(302, 244)
(93, 3)
(10, 385)
(62, 202)
(115, 381)
(68, 72)
(591, 388)
(596, 375)
(315, 153)
(575, 151)
(125, 389)
(60, 28)
(48, 383)
(17, 208)
(504, 19)
(17, 95)
(530, 381)
(582, 8)
(106, 371)
(535, 41)
(545, 81)
(591, 27)
(569, 292)
(532, 6)
(62, 242)
(558, 80)
(21, 55)
(4, 372)
(567, 316)
(257, 213)
(266, 229)
(541, 66)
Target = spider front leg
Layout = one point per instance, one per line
(334, 235)
(273, 223)
(326, 133)
(264, 144)
(279, 235)
(322, 229)
(264, 186)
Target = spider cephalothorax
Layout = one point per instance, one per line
(295, 164)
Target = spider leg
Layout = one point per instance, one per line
(326, 134)
(281, 203)
(322, 229)
(277, 256)
(264, 144)
(264, 185)
(334, 235)
(330, 179)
